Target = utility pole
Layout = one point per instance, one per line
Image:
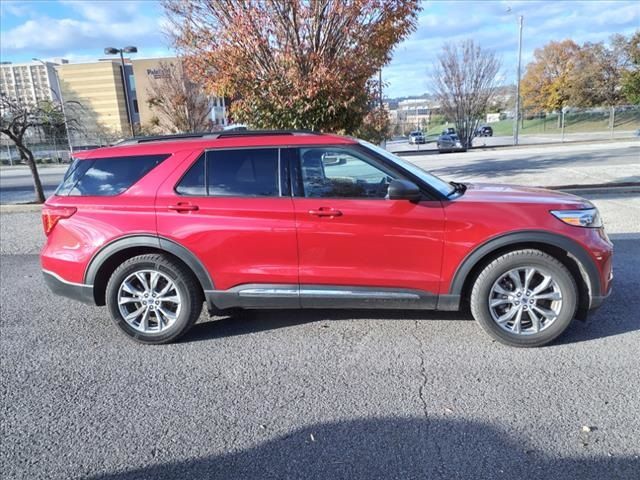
(516, 126)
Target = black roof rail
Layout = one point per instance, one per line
(265, 133)
(213, 135)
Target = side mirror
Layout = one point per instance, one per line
(403, 190)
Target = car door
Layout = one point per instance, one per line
(353, 242)
(231, 209)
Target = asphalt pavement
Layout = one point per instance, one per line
(315, 394)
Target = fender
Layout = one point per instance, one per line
(152, 241)
(585, 262)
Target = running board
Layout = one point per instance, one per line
(319, 296)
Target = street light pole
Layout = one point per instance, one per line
(122, 51)
(517, 117)
(61, 100)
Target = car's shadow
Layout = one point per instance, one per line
(243, 322)
(390, 448)
(620, 313)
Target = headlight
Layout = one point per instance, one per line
(579, 218)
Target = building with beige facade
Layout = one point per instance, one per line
(146, 71)
(98, 87)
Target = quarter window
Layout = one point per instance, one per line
(106, 176)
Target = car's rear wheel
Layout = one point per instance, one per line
(153, 299)
(524, 298)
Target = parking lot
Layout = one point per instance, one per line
(315, 394)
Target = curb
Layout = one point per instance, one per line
(21, 207)
(594, 189)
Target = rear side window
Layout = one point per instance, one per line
(106, 176)
(243, 173)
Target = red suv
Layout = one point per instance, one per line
(154, 227)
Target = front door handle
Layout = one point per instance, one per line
(325, 212)
(183, 207)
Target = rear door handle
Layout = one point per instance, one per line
(183, 207)
(325, 212)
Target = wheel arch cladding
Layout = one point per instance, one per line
(107, 259)
(576, 259)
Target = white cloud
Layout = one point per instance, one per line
(96, 25)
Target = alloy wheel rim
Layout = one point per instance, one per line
(525, 300)
(149, 301)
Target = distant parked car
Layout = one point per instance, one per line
(449, 142)
(484, 131)
(416, 138)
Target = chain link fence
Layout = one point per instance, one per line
(55, 149)
(571, 124)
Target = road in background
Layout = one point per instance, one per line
(401, 145)
(315, 394)
(16, 183)
(545, 165)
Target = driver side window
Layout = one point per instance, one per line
(338, 173)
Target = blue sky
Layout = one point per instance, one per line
(79, 30)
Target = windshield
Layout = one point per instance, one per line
(443, 187)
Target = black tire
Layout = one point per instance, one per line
(481, 292)
(185, 283)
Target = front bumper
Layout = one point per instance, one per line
(75, 291)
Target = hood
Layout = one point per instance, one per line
(492, 193)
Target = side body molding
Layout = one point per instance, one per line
(586, 263)
(148, 241)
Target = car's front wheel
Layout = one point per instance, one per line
(524, 298)
(153, 299)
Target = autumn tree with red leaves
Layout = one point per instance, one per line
(302, 64)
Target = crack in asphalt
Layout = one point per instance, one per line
(423, 373)
(425, 410)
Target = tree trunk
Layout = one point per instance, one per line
(26, 154)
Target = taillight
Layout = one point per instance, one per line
(51, 216)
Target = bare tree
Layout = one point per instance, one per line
(180, 104)
(465, 82)
(18, 119)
